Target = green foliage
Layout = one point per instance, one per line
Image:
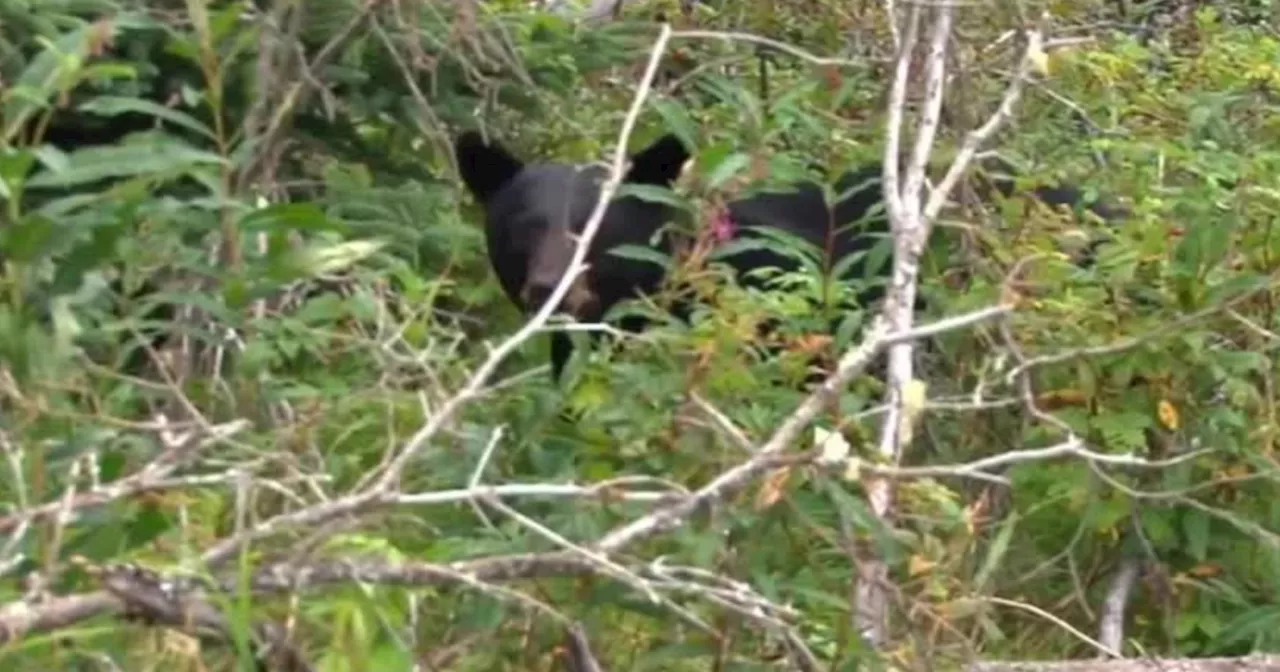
(160, 178)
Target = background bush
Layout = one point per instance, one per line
(270, 187)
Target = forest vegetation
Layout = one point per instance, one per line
(264, 405)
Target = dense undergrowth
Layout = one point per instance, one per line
(270, 186)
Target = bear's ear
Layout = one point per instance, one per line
(660, 163)
(485, 168)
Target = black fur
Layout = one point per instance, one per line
(529, 208)
(534, 211)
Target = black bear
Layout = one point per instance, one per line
(532, 212)
(533, 215)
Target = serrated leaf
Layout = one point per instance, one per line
(1158, 528)
(1107, 514)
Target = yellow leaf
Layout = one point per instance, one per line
(961, 607)
(1039, 62)
(918, 564)
(1055, 399)
(914, 396)
(1205, 569)
(1168, 414)
(834, 447)
(852, 470)
(772, 488)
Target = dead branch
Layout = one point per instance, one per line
(20, 619)
(383, 488)
(23, 618)
(911, 217)
(1259, 663)
(731, 481)
(159, 600)
(152, 478)
(579, 657)
(1111, 619)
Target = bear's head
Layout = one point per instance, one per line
(535, 212)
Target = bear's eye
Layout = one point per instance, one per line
(529, 229)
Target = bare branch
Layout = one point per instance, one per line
(1252, 663)
(1105, 650)
(1135, 341)
(380, 491)
(182, 605)
(579, 650)
(979, 136)
(1111, 621)
(730, 36)
(153, 477)
(577, 265)
(736, 478)
(20, 619)
(731, 481)
(981, 468)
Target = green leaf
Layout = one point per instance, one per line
(1205, 244)
(313, 260)
(43, 77)
(150, 154)
(14, 166)
(110, 106)
(88, 255)
(1106, 514)
(996, 553)
(641, 253)
(1210, 624)
(1185, 624)
(653, 194)
(1158, 527)
(678, 120)
(287, 217)
(724, 170)
(842, 267)
(855, 511)
(1260, 621)
(1195, 527)
(30, 239)
(738, 246)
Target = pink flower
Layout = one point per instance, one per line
(723, 228)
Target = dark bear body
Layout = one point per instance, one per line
(535, 212)
(852, 225)
(532, 212)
